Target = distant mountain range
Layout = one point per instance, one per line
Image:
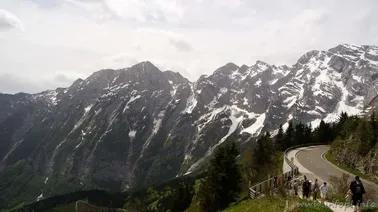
(124, 128)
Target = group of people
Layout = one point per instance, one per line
(307, 188)
(355, 193)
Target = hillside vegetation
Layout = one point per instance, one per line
(356, 147)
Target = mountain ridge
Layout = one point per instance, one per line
(129, 127)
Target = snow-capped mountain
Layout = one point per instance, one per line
(128, 127)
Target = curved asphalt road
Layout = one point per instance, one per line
(311, 159)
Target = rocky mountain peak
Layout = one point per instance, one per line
(175, 77)
(307, 57)
(227, 69)
(243, 69)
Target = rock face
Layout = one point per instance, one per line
(123, 128)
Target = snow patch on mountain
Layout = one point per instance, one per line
(357, 78)
(39, 197)
(342, 105)
(132, 134)
(256, 127)
(174, 90)
(191, 102)
(290, 101)
(209, 117)
(212, 104)
(272, 82)
(315, 123)
(245, 101)
(77, 146)
(131, 100)
(235, 123)
(157, 122)
(88, 108)
(258, 83)
(49, 96)
(235, 74)
(222, 91)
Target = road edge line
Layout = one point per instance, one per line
(342, 170)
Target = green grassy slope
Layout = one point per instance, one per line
(275, 204)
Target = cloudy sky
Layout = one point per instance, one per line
(49, 43)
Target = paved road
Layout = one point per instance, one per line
(311, 159)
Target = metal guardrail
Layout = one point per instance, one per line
(266, 186)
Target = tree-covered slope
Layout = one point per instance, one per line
(357, 145)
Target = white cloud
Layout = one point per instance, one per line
(9, 20)
(181, 45)
(77, 37)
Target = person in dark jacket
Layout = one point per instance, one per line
(275, 184)
(358, 190)
(306, 187)
(315, 190)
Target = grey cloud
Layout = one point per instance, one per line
(181, 45)
(124, 59)
(63, 79)
(12, 84)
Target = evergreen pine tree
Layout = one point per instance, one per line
(343, 118)
(183, 197)
(299, 134)
(268, 147)
(289, 135)
(308, 134)
(322, 133)
(207, 196)
(259, 152)
(232, 179)
(279, 140)
(349, 126)
(222, 182)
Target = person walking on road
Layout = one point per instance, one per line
(358, 190)
(323, 191)
(315, 189)
(306, 187)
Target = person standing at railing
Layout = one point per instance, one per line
(295, 186)
(315, 189)
(306, 187)
(275, 184)
(289, 182)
